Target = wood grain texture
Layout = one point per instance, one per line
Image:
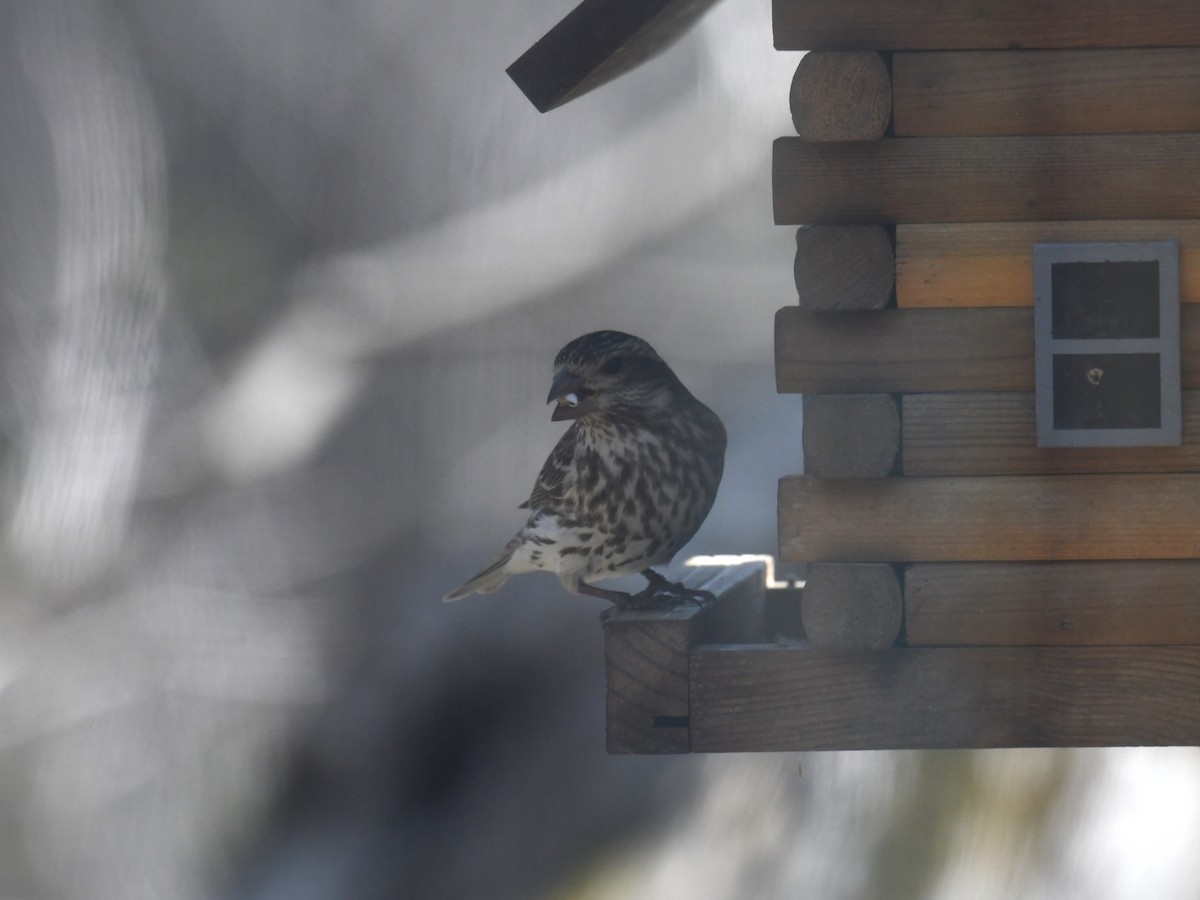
(991, 263)
(900, 351)
(772, 698)
(646, 656)
(897, 351)
(966, 519)
(598, 41)
(994, 92)
(850, 435)
(646, 673)
(987, 179)
(852, 606)
(996, 434)
(844, 267)
(1068, 603)
(841, 97)
(982, 24)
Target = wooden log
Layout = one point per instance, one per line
(987, 179)
(841, 97)
(996, 434)
(904, 351)
(900, 351)
(1046, 92)
(850, 435)
(991, 263)
(646, 656)
(852, 606)
(844, 267)
(598, 41)
(982, 24)
(771, 697)
(993, 519)
(1069, 603)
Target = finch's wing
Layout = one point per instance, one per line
(551, 486)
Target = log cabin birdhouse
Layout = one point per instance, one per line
(998, 211)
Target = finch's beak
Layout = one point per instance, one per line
(573, 401)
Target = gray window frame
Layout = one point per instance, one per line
(1166, 345)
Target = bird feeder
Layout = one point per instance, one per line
(999, 208)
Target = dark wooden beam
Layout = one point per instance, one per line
(598, 41)
(982, 24)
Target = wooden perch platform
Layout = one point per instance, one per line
(718, 679)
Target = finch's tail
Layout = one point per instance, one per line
(486, 581)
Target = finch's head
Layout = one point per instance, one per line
(609, 371)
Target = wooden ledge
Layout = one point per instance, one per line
(647, 654)
(718, 679)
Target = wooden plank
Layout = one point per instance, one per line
(991, 263)
(908, 351)
(771, 698)
(987, 179)
(996, 434)
(841, 97)
(982, 24)
(1068, 603)
(1046, 92)
(598, 41)
(992, 519)
(852, 606)
(844, 267)
(897, 351)
(850, 435)
(646, 655)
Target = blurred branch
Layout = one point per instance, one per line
(91, 369)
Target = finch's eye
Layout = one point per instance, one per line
(612, 367)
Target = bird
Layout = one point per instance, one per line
(626, 486)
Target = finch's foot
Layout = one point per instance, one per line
(658, 594)
(663, 593)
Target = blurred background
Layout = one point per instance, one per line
(281, 282)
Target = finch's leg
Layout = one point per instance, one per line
(614, 597)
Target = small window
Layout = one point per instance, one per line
(1106, 332)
